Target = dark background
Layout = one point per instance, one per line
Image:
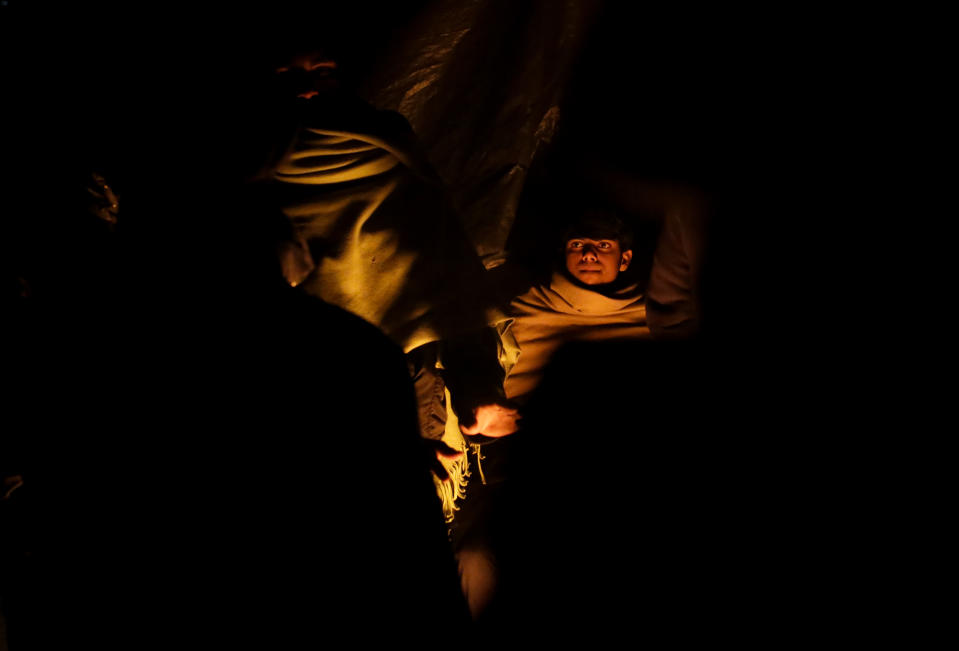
(734, 107)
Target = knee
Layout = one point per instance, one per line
(478, 576)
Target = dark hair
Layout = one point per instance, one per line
(598, 224)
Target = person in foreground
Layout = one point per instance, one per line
(587, 298)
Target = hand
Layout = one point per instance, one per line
(10, 484)
(441, 451)
(494, 421)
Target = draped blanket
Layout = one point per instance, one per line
(378, 236)
(548, 316)
(383, 238)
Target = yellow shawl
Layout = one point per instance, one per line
(548, 316)
(384, 241)
(378, 236)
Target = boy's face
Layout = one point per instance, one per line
(596, 262)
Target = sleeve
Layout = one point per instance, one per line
(672, 305)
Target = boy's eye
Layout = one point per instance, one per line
(575, 244)
(604, 245)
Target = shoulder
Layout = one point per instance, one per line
(534, 297)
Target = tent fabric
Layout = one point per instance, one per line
(483, 112)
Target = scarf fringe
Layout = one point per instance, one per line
(454, 489)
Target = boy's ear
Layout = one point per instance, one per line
(625, 258)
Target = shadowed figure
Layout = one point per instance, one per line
(625, 508)
(197, 472)
(195, 478)
(657, 495)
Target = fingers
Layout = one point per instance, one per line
(444, 451)
(472, 430)
(441, 451)
(494, 421)
(10, 484)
